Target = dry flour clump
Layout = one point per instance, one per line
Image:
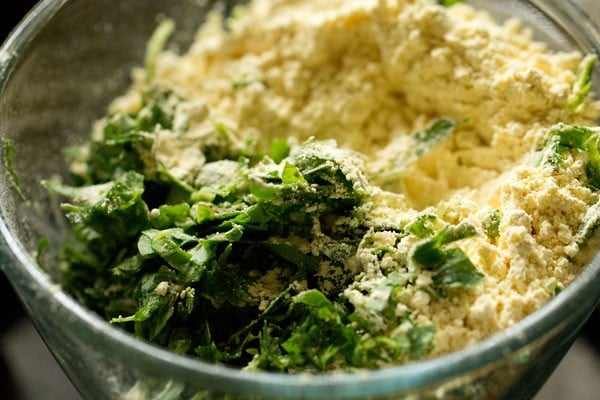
(457, 175)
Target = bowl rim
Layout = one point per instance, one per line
(21, 267)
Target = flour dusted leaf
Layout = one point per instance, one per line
(450, 265)
(563, 137)
(408, 150)
(433, 135)
(591, 222)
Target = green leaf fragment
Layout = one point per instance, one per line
(554, 287)
(243, 82)
(423, 226)
(564, 137)
(589, 225)
(9, 153)
(491, 224)
(292, 254)
(291, 175)
(202, 213)
(451, 266)
(155, 46)
(42, 246)
(116, 209)
(583, 81)
(449, 3)
(128, 268)
(421, 340)
(313, 298)
(279, 150)
(169, 215)
(453, 233)
(456, 271)
(433, 135)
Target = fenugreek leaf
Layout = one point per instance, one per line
(583, 81)
(431, 136)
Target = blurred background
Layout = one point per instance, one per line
(28, 371)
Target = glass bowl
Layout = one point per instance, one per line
(58, 72)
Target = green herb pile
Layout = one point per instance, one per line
(225, 266)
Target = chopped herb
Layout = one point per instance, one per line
(491, 224)
(39, 254)
(421, 143)
(115, 210)
(156, 45)
(180, 273)
(583, 81)
(9, 152)
(431, 136)
(448, 3)
(127, 141)
(242, 82)
(554, 287)
(423, 226)
(311, 315)
(564, 138)
(450, 265)
(279, 150)
(590, 224)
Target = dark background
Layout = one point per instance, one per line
(12, 312)
(12, 12)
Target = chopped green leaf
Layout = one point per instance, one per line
(291, 175)
(434, 134)
(423, 226)
(242, 82)
(456, 270)
(314, 298)
(564, 137)
(583, 81)
(279, 150)
(417, 146)
(491, 224)
(167, 244)
(42, 246)
(156, 45)
(451, 266)
(554, 287)
(448, 3)
(115, 208)
(590, 224)
(168, 215)
(9, 152)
